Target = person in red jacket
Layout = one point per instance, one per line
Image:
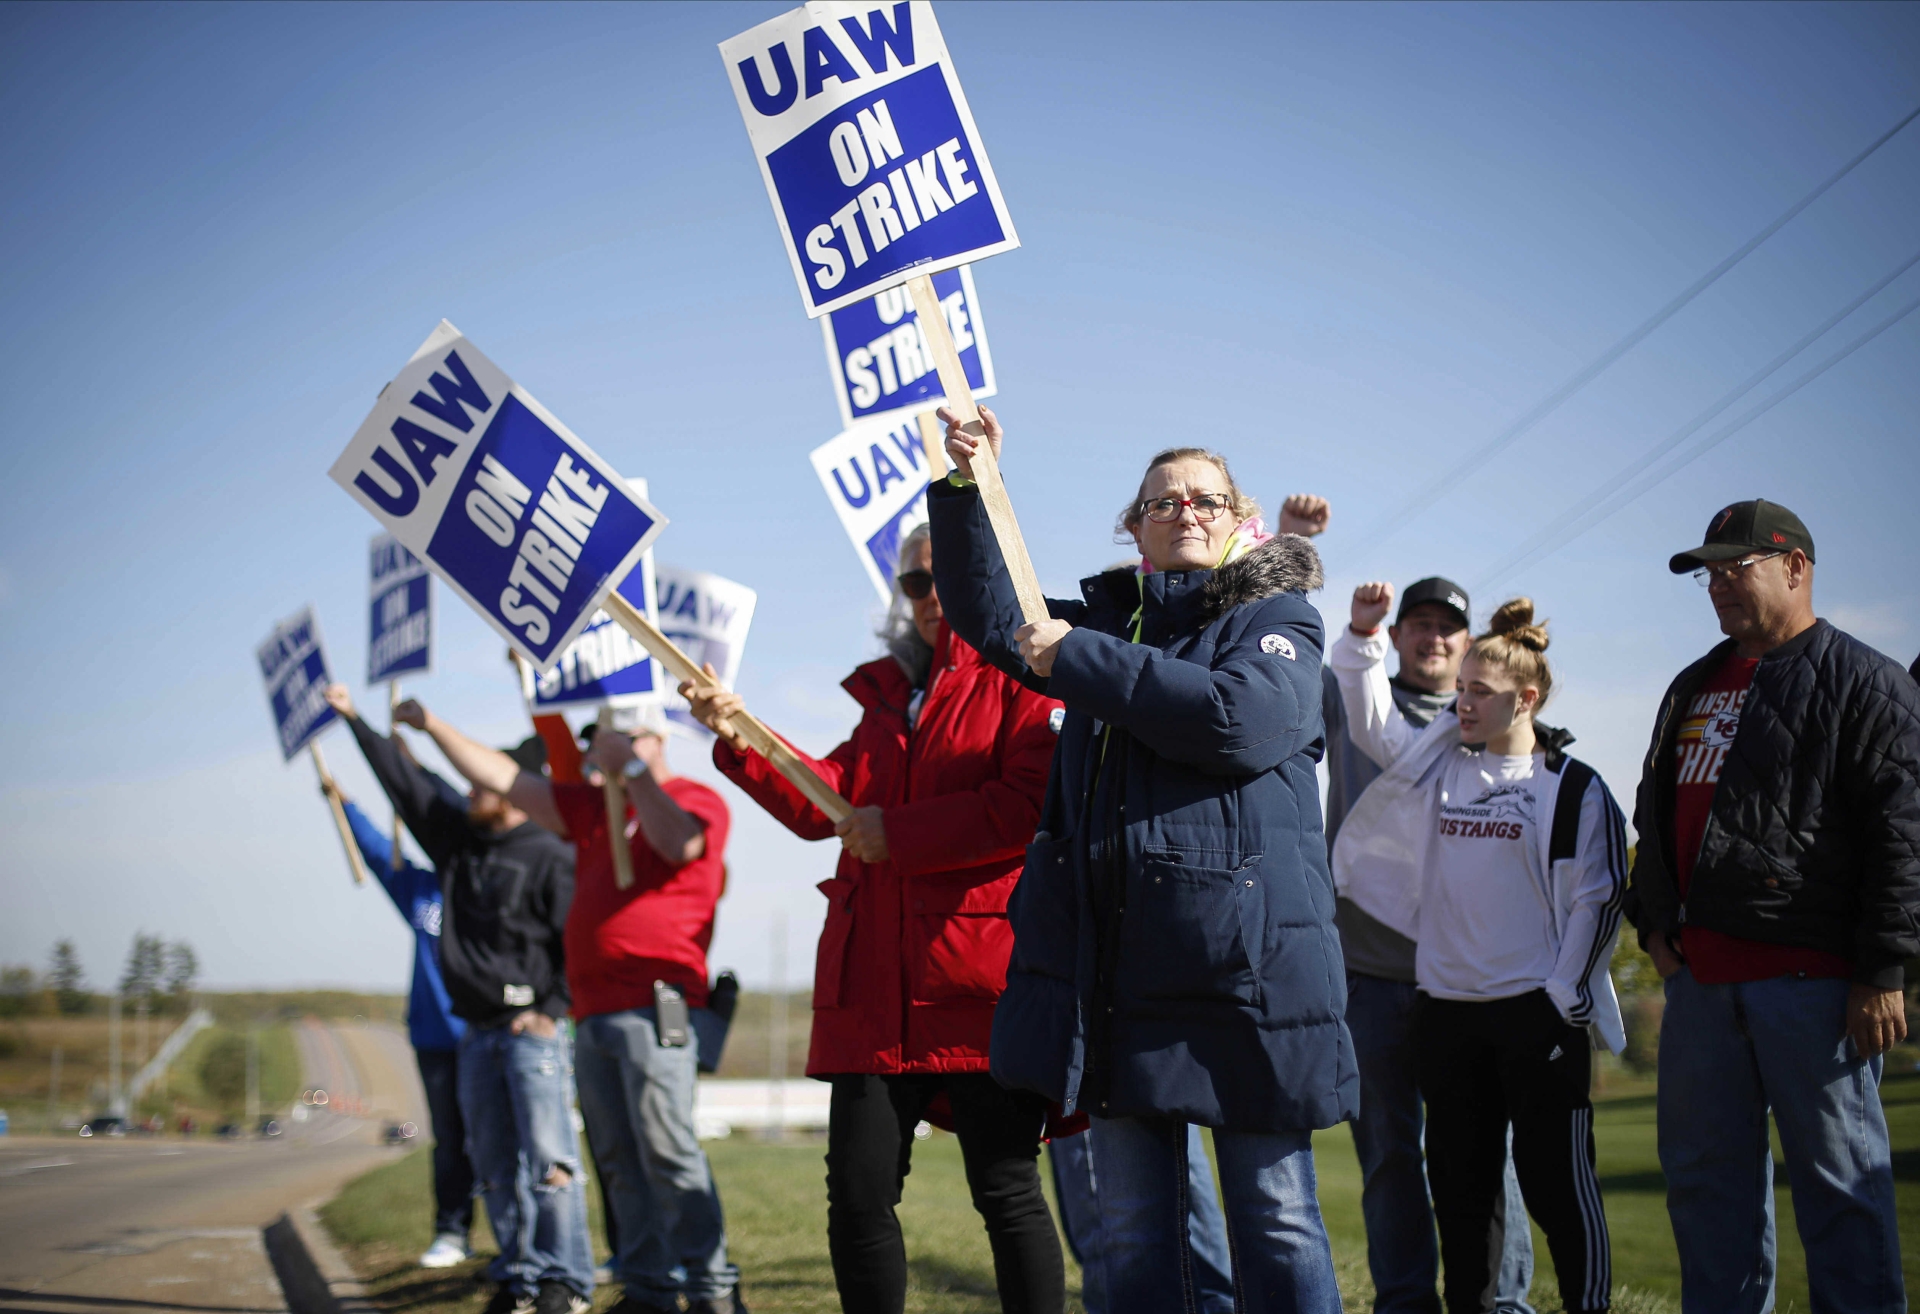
(945, 771)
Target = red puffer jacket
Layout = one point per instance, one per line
(914, 953)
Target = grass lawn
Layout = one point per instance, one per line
(775, 1196)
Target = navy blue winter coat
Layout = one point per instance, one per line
(1174, 950)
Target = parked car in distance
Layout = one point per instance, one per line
(107, 1124)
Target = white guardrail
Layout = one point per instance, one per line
(720, 1107)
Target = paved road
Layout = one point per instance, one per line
(168, 1224)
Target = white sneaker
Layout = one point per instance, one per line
(446, 1251)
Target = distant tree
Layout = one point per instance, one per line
(223, 1071)
(182, 970)
(68, 980)
(146, 968)
(18, 991)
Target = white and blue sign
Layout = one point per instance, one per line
(708, 616)
(400, 617)
(294, 667)
(501, 500)
(605, 665)
(878, 351)
(877, 481)
(867, 147)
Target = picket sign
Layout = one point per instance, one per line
(867, 147)
(876, 480)
(709, 616)
(986, 469)
(833, 94)
(762, 740)
(517, 515)
(877, 350)
(293, 666)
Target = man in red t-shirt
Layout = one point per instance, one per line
(636, 1078)
(1776, 887)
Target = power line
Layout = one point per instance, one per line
(1705, 445)
(1572, 514)
(1426, 497)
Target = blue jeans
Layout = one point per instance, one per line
(637, 1098)
(452, 1171)
(1387, 1137)
(516, 1094)
(1076, 1185)
(1281, 1260)
(1728, 1053)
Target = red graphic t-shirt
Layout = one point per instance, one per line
(1712, 720)
(619, 942)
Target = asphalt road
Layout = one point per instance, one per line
(169, 1223)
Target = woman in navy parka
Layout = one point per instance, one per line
(1174, 954)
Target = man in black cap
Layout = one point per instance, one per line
(506, 887)
(1431, 633)
(1777, 889)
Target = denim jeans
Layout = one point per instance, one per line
(516, 1093)
(1076, 1185)
(637, 1098)
(452, 1170)
(1728, 1053)
(1281, 1260)
(1387, 1137)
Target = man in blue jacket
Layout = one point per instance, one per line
(431, 1026)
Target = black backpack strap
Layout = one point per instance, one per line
(1575, 775)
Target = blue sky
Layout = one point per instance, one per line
(1346, 245)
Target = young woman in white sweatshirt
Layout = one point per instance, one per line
(1506, 862)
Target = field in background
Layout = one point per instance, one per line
(27, 1044)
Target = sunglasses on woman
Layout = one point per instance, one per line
(916, 584)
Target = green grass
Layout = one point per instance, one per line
(775, 1195)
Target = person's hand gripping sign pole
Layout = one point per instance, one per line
(525, 522)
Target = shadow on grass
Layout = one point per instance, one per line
(938, 1275)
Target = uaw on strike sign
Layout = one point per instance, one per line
(605, 665)
(867, 147)
(499, 498)
(400, 612)
(877, 481)
(878, 351)
(293, 667)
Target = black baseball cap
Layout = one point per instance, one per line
(1435, 589)
(530, 754)
(1743, 527)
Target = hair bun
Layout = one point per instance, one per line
(1514, 620)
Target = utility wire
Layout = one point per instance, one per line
(1595, 497)
(1427, 496)
(1700, 448)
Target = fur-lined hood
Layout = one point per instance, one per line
(1280, 565)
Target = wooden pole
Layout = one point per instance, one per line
(986, 469)
(393, 701)
(930, 442)
(339, 814)
(615, 790)
(764, 741)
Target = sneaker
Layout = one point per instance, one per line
(559, 1298)
(508, 1301)
(446, 1251)
(727, 1304)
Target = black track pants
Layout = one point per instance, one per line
(1483, 1066)
(869, 1148)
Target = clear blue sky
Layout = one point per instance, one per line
(1344, 244)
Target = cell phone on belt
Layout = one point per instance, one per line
(670, 1019)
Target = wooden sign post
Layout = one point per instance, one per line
(393, 701)
(986, 470)
(614, 788)
(764, 741)
(339, 814)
